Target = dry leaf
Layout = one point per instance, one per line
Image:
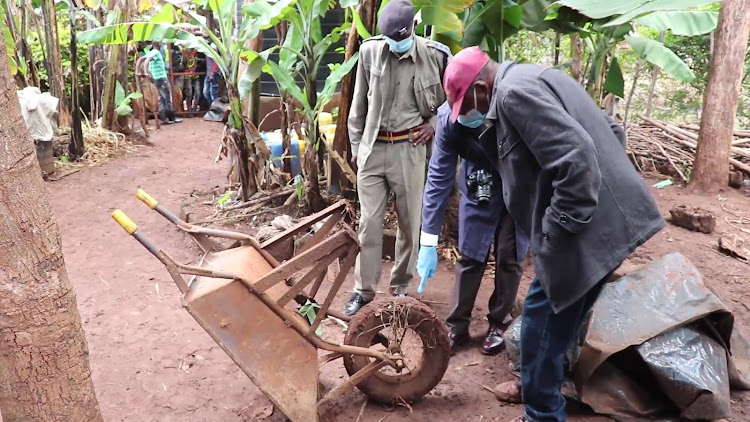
(262, 412)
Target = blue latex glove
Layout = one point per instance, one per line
(426, 265)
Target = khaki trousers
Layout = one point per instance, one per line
(397, 168)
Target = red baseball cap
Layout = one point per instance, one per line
(460, 74)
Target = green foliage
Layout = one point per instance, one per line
(122, 102)
(656, 53)
(686, 23)
(310, 311)
(300, 57)
(615, 82)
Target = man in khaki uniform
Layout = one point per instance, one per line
(392, 119)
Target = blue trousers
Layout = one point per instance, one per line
(211, 90)
(545, 337)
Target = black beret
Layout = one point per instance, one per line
(396, 18)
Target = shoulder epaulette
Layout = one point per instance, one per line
(440, 47)
(374, 38)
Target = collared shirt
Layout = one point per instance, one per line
(156, 64)
(400, 109)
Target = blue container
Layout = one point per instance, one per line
(275, 144)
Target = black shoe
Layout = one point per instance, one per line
(166, 122)
(402, 295)
(355, 304)
(457, 341)
(494, 341)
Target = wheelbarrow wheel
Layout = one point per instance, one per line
(414, 333)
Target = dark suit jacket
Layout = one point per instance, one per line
(566, 179)
(477, 224)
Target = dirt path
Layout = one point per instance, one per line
(152, 362)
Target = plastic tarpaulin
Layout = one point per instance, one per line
(38, 111)
(659, 344)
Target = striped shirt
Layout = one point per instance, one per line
(156, 65)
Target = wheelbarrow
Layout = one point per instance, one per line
(395, 349)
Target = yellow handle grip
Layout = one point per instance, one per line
(124, 221)
(146, 199)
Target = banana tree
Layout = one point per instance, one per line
(300, 57)
(227, 52)
(611, 23)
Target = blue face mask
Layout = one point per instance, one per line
(474, 118)
(402, 46)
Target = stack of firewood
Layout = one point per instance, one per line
(669, 149)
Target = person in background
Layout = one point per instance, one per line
(391, 121)
(151, 65)
(191, 90)
(177, 62)
(483, 222)
(211, 82)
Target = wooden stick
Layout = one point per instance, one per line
(691, 136)
(661, 148)
(258, 201)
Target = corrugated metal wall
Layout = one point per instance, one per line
(333, 18)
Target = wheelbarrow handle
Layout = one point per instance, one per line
(132, 229)
(146, 199)
(124, 221)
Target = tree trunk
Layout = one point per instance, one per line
(109, 117)
(636, 75)
(75, 147)
(116, 72)
(576, 57)
(339, 182)
(654, 76)
(25, 50)
(558, 37)
(45, 372)
(55, 78)
(96, 71)
(710, 168)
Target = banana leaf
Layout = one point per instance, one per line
(683, 22)
(656, 53)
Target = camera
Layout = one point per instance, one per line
(480, 183)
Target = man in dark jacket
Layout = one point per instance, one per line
(568, 182)
(479, 227)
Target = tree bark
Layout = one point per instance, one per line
(654, 76)
(45, 373)
(339, 181)
(75, 147)
(576, 57)
(116, 72)
(96, 71)
(55, 74)
(636, 75)
(558, 37)
(710, 168)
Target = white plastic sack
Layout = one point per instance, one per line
(38, 111)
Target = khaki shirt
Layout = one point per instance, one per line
(400, 112)
(394, 93)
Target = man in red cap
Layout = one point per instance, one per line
(569, 184)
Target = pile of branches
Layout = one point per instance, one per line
(666, 148)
